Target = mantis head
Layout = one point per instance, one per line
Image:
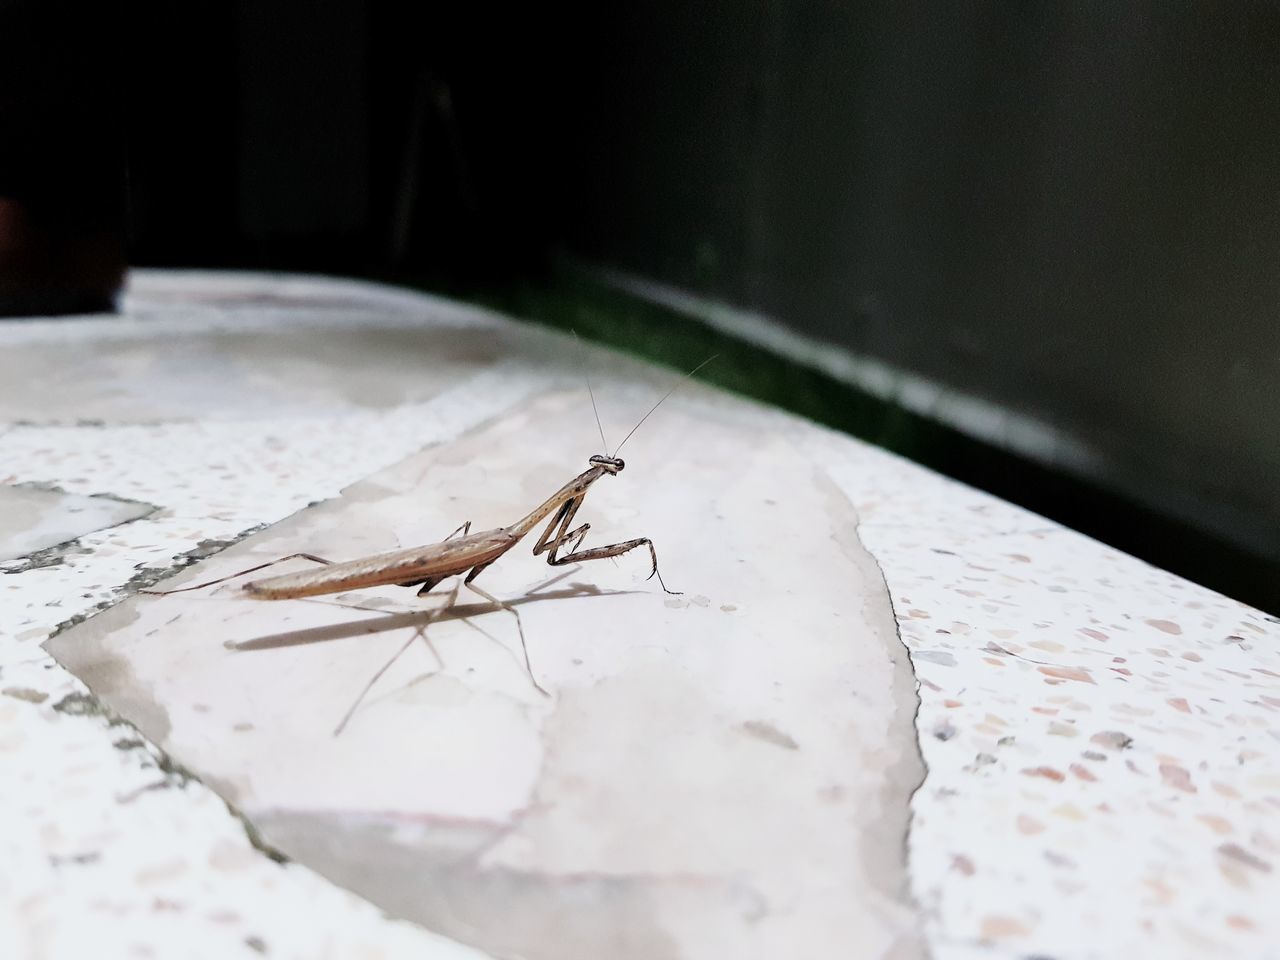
(611, 465)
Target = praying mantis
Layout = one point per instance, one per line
(470, 553)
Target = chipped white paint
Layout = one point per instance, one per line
(1039, 653)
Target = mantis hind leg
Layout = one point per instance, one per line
(420, 632)
(519, 625)
(231, 576)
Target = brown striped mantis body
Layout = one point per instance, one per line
(426, 566)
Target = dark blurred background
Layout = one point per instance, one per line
(1071, 211)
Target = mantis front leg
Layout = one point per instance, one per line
(552, 542)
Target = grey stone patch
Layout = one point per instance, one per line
(940, 657)
(37, 521)
(76, 859)
(767, 732)
(25, 693)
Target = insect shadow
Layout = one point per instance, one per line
(421, 618)
(418, 622)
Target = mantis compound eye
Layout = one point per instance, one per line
(611, 464)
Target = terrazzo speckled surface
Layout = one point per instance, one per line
(1101, 738)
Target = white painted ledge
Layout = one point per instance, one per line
(722, 774)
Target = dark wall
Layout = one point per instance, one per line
(311, 134)
(1072, 210)
(428, 138)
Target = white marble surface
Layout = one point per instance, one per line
(1100, 737)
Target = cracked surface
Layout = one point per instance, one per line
(713, 773)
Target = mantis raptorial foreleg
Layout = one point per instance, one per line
(551, 544)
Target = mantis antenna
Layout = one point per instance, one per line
(592, 393)
(685, 379)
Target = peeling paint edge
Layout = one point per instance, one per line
(51, 556)
(912, 894)
(147, 577)
(174, 774)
